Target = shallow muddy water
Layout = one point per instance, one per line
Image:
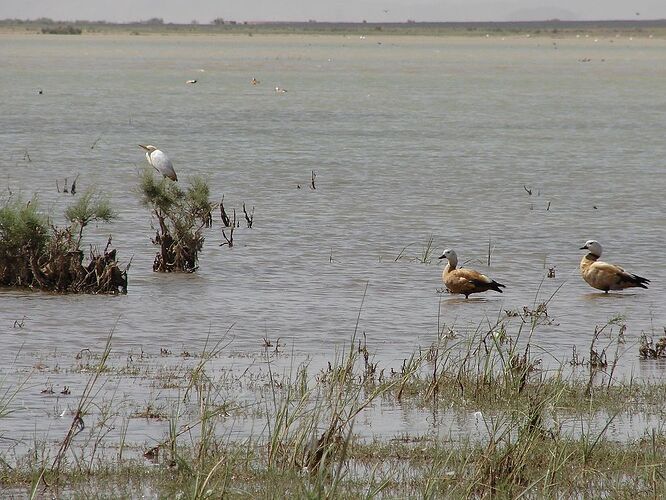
(410, 138)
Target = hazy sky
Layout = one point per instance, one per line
(204, 11)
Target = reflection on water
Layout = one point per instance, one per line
(608, 296)
(412, 138)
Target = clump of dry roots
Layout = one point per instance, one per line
(176, 254)
(59, 267)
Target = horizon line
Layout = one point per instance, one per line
(314, 21)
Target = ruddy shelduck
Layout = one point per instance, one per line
(604, 276)
(465, 281)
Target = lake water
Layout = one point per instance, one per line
(409, 138)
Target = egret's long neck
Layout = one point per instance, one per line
(451, 265)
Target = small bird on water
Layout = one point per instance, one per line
(604, 276)
(160, 161)
(465, 281)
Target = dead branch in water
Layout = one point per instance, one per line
(230, 239)
(312, 182)
(223, 214)
(66, 188)
(249, 219)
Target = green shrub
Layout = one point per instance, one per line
(36, 254)
(181, 216)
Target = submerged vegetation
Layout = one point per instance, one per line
(36, 254)
(528, 431)
(181, 216)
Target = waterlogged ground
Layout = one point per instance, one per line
(449, 421)
(417, 143)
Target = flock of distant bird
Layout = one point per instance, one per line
(598, 274)
(254, 81)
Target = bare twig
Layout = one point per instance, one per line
(73, 188)
(249, 219)
(223, 214)
(230, 239)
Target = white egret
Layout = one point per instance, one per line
(604, 276)
(160, 161)
(465, 281)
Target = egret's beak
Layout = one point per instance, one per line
(442, 257)
(583, 248)
(144, 147)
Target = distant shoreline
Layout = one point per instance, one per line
(549, 28)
